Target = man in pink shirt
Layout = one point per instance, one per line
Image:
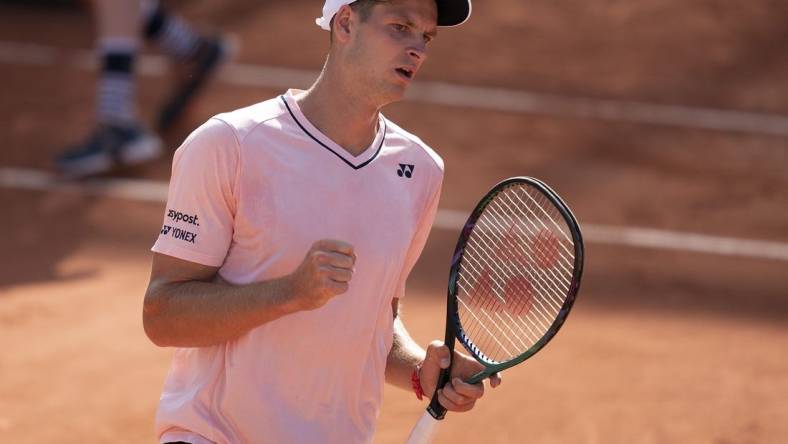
(290, 230)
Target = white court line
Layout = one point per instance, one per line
(655, 239)
(496, 99)
(131, 189)
(156, 191)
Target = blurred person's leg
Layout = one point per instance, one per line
(119, 138)
(117, 45)
(197, 56)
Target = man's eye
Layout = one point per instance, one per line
(400, 27)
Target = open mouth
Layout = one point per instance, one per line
(406, 72)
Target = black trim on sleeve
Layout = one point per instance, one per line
(355, 167)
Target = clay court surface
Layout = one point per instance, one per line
(664, 346)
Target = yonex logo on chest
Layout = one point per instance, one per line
(405, 170)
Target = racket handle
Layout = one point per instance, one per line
(424, 430)
(435, 408)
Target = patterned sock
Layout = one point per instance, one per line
(174, 35)
(115, 91)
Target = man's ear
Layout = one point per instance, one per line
(343, 22)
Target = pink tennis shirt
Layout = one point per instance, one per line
(251, 191)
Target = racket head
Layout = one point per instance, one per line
(549, 269)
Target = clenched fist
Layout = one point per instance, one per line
(324, 273)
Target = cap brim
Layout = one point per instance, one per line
(453, 12)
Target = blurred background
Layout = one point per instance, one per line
(662, 123)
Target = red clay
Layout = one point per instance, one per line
(662, 346)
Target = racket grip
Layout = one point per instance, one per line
(424, 430)
(435, 408)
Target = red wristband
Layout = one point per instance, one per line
(416, 382)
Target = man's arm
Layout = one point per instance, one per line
(406, 355)
(186, 306)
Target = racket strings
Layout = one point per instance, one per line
(540, 280)
(527, 231)
(490, 303)
(541, 203)
(515, 273)
(504, 270)
(565, 263)
(550, 283)
(529, 318)
(523, 333)
(487, 298)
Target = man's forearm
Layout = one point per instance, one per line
(404, 356)
(198, 314)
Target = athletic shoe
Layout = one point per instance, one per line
(213, 51)
(107, 148)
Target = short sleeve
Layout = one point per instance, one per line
(423, 229)
(202, 196)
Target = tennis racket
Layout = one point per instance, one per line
(514, 276)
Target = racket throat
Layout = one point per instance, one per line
(478, 377)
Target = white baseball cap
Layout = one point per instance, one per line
(450, 12)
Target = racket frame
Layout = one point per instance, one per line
(454, 328)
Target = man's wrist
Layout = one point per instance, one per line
(288, 301)
(276, 297)
(415, 381)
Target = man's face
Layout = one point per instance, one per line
(389, 47)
